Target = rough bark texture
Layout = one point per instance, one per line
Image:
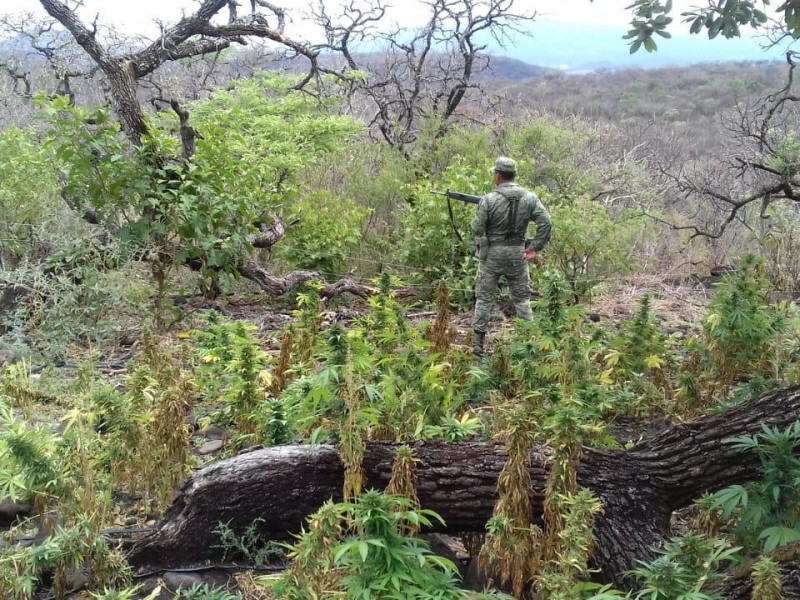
(742, 588)
(278, 286)
(639, 488)
(739, 585)
(10, 296)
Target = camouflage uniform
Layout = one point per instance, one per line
(500, 226)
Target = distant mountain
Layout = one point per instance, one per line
(581, 47)
(570, 47)
(504, 67)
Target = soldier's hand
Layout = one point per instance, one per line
(529, 255)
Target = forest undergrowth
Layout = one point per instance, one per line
(96, 450)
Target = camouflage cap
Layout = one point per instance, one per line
(505, 165)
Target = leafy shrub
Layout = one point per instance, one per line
(35, 219)
(430, 242)
(374, 559)
(256, 138)
(326, 234)
(587, 244)
(766, 512)
(204, 592)
(549, 153)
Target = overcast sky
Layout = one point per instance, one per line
(138, 16)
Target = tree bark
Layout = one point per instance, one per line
(11, 294)
(639, 488)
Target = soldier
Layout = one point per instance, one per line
(500, 227)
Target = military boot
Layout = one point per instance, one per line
(478, 339)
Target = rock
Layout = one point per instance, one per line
(212, 432)
(175, 581)
(211, 446)
(79, 578)
(191, 420)
(127, 340)
(8, 357)
(11, 511)
(448, 547)
(476, 580)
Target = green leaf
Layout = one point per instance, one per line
(777, 536)
(730, 499)
(363, 550)
(715, 28)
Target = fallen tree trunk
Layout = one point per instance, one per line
(739, 584)
(639, 488)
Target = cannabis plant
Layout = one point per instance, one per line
(362, 551)
(30, 464)
(683, 568)
(741, 326)
(765, 512)
(379, 562)
(767, 584)
(572, 547)
(204, 592)
(513, 543)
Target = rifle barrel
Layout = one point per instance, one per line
(468, 198)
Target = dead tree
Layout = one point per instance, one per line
(422, 77)
(41, 59)
(640, 488)
(759, 167)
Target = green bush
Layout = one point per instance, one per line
(256, 138)
(588, 245)
(326, 234)
(35, 219)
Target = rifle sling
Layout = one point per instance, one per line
(453, 221)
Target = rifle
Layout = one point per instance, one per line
(468, 198)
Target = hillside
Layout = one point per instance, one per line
(580, 48)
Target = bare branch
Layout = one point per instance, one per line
(757, 169)
(268, 235)
(188, 133)
(276, 10)
(426, 74)
(12, 68)
(278, 286)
